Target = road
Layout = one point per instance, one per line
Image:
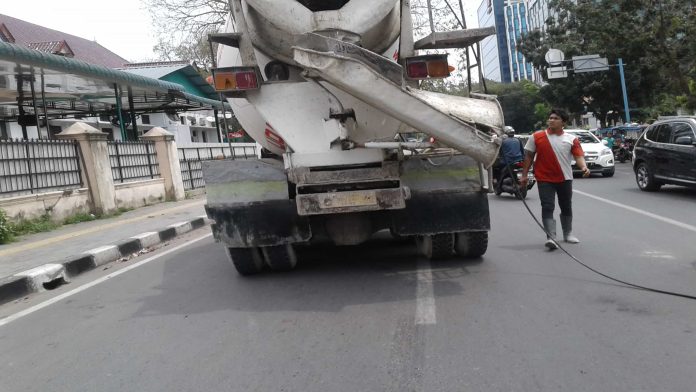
(379, 318)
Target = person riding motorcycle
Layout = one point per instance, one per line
(511, 152)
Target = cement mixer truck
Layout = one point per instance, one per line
(329, 89)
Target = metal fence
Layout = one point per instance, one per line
(133, 161)
(38, 166)
(190, 159)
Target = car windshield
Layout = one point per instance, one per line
(586, 137)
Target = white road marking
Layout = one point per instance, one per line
(70, 293)
(425, 299)
(639, 211)
(657, 255)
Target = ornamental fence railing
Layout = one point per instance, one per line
(38, 166)
(133, 161)
(190, 159)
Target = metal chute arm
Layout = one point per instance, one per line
(424, 111)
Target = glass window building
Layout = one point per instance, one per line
(499, 56)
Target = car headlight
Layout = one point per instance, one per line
(606, 151)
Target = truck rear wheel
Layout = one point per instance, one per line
(247, 261)
(436, 246)
(280, 257)
(471, 244)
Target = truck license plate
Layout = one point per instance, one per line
(349, 199)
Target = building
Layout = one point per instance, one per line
(49, 80)
(18, 32)
(537, 14)
(501, 61)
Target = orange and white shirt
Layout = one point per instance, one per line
(554, 155)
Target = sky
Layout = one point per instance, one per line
(122, 26)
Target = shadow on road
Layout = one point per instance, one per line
(327, 279)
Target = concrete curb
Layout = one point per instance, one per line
(42, 277)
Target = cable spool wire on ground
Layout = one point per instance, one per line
(627, 284)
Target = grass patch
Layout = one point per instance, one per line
(9, 231)
(31, 226)
(77, 218)
(118, 212)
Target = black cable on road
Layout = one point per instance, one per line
(627, 284)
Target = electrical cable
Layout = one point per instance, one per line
(627, 284)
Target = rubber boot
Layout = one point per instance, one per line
(567, 226)
(550, 227)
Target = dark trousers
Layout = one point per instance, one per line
(547, 195)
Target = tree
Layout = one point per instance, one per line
(521, 102)
(651, 36)
(183, 27)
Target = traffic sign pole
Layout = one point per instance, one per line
(623, 90)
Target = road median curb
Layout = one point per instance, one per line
(45, 276)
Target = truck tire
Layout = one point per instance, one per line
(280, 257)
(436, 246)
(471, 244)
(247, 261)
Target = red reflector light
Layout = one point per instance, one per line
(235, 79)
(417, 69)
(429, 66)
(274, 138)
(246, 80)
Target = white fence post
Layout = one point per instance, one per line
(168, 159)
(95, 165)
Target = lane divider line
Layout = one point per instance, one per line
(425, 298)
(84, 287)
(639, 211)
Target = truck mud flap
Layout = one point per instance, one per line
(430, 213)
(264, 223)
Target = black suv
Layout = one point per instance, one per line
(666, 154)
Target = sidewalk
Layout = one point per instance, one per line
(40, 258)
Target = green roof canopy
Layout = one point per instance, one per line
(64, 86)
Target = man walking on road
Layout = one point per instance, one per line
(555, 151)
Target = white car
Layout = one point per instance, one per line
(599, 157)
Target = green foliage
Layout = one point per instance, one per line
(654, 39)
(31, 226)
(10, 230)
(541, 113)
(6, 234)
(77, 218)
(519, 102)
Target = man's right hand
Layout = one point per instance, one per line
(523, 181)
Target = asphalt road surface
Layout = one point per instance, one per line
(379, 318)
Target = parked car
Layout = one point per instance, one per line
(599, 157)
(665, 153)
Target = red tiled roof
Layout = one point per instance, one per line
(28, 34)
(53, 47)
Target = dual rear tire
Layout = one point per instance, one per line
(250, 261)
(467, 244)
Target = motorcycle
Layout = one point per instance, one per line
(623, 153)
(503, 182)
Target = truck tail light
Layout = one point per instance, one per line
(429, 66)
(235, 79)
(273, 138)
